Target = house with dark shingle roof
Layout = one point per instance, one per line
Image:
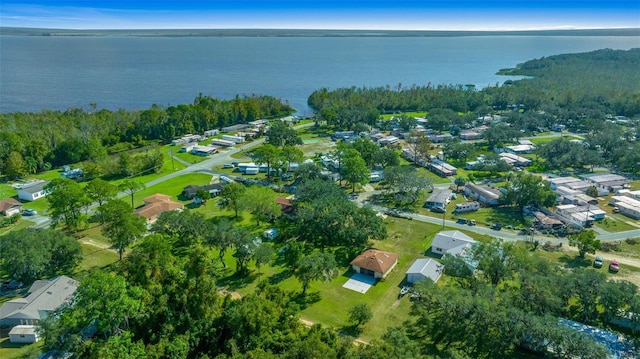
(375, 263)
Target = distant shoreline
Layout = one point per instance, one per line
(17, 31)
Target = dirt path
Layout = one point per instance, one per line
(628, 275)
(93, 243)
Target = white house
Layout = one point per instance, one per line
(234, 139)
(438, 200)
(488, 196)
(467, 207)
(24, 334)
(222, 143)
(450, 242)
(424, 268)
(33, 191)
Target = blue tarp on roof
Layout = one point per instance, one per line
(618, 346)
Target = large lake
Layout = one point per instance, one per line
(135, 72)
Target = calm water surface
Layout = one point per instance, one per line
(135, 72)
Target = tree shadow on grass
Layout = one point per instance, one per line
(574, 261)
(352, 330)
(237, 280)
(305, 300)
(279, 277)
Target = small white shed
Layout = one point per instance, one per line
(24, 334)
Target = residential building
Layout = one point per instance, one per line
(442, 168)
(389, 140)
(43, 297)
(543, 221)
(10, 206)
(580, 216)
(555, 182)
(438, 200)
(488, 196)
(24, 334)
(439, 137)
(607, 182)
(286, 207)
(33, 191)
(234, 139)
(203, 150)
(155, 205)
(211, 132)
(470, 135)
(222, 143)
(235, 128)
(375, 263)
(515, 160)
(424, 268)
(451, 242)
(214, 189)
(467, 207)
(520, 149)
(627, 206)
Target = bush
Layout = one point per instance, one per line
(610, 246)
(631, 241)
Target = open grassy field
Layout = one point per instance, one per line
(328, 302)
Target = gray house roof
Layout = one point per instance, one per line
(426, 267)
(34, 187)
(44, 296)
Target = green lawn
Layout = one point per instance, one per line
(327, 302)
(408, 114)
(172, 187)
(22, 224)
(14, 351)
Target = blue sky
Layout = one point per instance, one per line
(318, 14)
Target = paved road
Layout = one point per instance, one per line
(204, 166)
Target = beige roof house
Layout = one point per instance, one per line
(375, 263)
(10, 206)
(155, 205)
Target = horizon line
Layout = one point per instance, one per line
(551, 28)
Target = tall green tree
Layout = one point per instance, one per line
(101, 191)
(317, 266)
(131, 187)
(30, 254)
(280, 135)
(524, 189)
(585, 241)
(232, 195)
(15, 166)
(266, 154)
(66, 200)
(360, 314)
(261, 202)
(121, 226)
(291, 154)
(263, 255)
(354, 169)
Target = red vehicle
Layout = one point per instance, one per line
(614, 267)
